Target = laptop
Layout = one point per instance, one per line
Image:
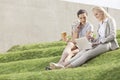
(83, 43)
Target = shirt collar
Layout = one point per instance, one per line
(104, 21)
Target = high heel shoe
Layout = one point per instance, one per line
(56, 66)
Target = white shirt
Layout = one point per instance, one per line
(101, 30)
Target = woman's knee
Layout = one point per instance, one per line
(71, 45)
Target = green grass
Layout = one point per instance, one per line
(31, 65)
(28, 62)
(118, 33)
(36, 46)
(37, 65)
(108, 71)
(31, 54)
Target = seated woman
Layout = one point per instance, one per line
(79, 29)
(105, 41)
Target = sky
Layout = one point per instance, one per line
(104, 3)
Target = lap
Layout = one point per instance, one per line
(90, 54)
(97, 50)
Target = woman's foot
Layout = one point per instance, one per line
(56, 66)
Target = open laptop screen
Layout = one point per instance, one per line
(83, 43)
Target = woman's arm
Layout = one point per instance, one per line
(89, 35)
(74, 35)
(75, 32)
(112, 27)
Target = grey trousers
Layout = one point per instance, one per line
(84, 55)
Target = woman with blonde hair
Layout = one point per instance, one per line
(105, 41)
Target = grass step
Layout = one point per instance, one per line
(36, 46)
(26, 65)
(101, 72)
(34, 65)
(104, 58)
(31, 54)
(118, 33)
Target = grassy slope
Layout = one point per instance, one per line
(31, 54)
(36, 46)
(31, 65)
(96, 69)
(104, 67)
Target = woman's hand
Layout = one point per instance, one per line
(90, 38)
(95, 44)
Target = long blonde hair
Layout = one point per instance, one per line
(105, 13)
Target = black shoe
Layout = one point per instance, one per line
(48, 68)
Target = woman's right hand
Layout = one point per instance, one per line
(90, 38)
(95, 44)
